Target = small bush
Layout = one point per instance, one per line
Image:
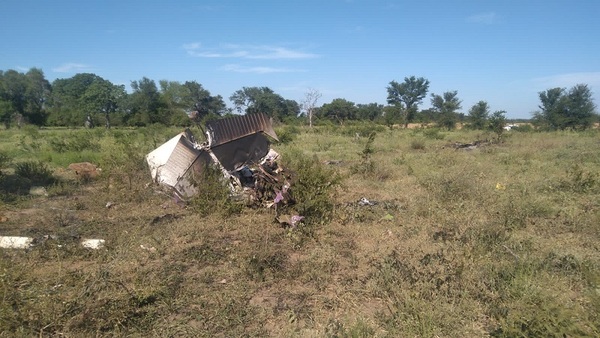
(314, 187)
(5, 160)
(213, 195)
(524, 128)
(287, 134)
(366, 165)
(433, 133)
(76, 142)
(417, 144)
(35, 171)
(579, 180)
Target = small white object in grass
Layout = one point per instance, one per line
(15, 242)
(93, 243)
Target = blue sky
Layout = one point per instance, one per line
(503, 52)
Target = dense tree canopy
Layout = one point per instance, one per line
(562, 109)
(339, 110)
(411, 93)
(264, 100)
(446, 107)
(23, 96)
(478, 115)
(30, 98)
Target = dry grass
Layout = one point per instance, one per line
(498, 241)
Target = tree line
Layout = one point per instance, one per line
(89, 99)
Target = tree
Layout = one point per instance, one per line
(339, 110)
(264, 100)
(392, 115)
(446, 107)
(369, 111)
(67, 106)
(410, 93)
(311, 97)
(497, 122)
(479, 114)
(196, 98)
(103, 97)
(37, 94)
(145, 104)
(23, 95)
(562, 109)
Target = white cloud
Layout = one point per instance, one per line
(192, 46)
(246, 52)
(483, 18)
(256, 70)
(568, 80)
(71, 68)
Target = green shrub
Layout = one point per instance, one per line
(433, 133)
(366, 165)
(417, 144)
(75, 142)
(287, 134)
(213, 195)
(314, 186)
(36, 172)
(5, 160)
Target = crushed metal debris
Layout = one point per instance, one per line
(238, 146)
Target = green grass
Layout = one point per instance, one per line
(499, 241)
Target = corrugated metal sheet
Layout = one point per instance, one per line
(233, 128)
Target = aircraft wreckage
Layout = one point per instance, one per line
(238, 146)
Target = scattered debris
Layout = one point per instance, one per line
(469, 146)
(19, 242)
(15, 242)
(238, 147)
(93, 243)
(109, 205)
(290, 220)
(365, 202)
(148, 248)
(38, 191)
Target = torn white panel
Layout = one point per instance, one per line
(15, 242)
(171, 162)
(92, 243)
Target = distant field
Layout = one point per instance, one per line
(501, 239)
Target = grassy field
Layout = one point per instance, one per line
(502, 240)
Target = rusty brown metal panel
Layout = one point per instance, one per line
(233, 128)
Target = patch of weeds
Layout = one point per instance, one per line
(213, 195)
(433, 133)
(580, 180)
(337, 329)
(314, 187)
(366, 166)
(124, 170)
(324, 146)
(62, 189)
(417, 144)
(5, 160)
(287, 134)
(36, 172)
(204, 254)
(266, 263)
(362, 129)
(450, 186)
